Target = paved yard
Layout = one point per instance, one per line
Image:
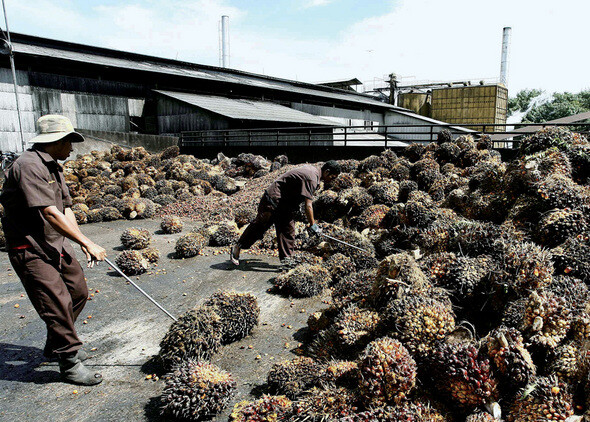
(125, 328)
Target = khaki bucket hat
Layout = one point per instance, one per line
(53, 127)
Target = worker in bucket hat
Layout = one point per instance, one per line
(37, 223)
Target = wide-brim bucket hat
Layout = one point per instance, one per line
(53, 127)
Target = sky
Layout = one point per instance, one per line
(322, 40)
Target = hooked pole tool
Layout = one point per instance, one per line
(140, 289)
(343, 242)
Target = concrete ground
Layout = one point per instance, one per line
(123, 330)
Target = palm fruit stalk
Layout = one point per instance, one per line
(387, 372)
(544, 399)
(238, 311)
(197, 390)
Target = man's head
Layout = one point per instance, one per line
(55, 135)
(330, 170)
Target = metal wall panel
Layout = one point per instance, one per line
(9, 128)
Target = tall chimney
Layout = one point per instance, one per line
(506, 33)
(225, 41)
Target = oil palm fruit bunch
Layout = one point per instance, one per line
(322, 404)
(544, 399)
(419, 213)
(406, 187)
(385, 192)
(481, 416)
(387, 372)
(579, 155)
(573, 257)
(354, 288)
(404, 412)
(197, 390)
(437, 266)
(190, 245)
(344, 181)
(557, 191)
(356, 326)
(372, 217)
(171, 224)
(418, 322)
(357, 199)
(328, 206)
(340, 373)
(239, 314)
(303, 281)
(339, 266)
(136, 238)
(569, 363)
(553, 161)
(152, 255)
(462, 375)
(464, 275)
(558, 225)
(395, 272)
(474, 238)
(132, 262)
(225, 233)
(510, 359)
(487, 176)
(300, 257)
(196, 334)
(547, 319)
(559, 138)
(293, 377)
(265, 409)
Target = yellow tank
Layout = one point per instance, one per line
(415, 101)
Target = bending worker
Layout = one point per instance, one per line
(37, 220)
(280, 201)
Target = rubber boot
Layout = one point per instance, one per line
(73, 371)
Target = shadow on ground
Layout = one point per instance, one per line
(22, 363)
(248, 265)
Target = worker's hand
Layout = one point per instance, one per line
(315, 229)
(94, 253)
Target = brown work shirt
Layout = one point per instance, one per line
(294, 186)
(35, 181)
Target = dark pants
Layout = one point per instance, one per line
(58, 296)
(268, 214)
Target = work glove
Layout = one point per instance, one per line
(315, 229)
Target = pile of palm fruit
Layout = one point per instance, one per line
(137, 256)
(195, 388)
(470, 301)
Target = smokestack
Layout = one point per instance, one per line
(225, 41)
(506, 33)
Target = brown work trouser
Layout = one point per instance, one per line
(58, 296)
(266, 216)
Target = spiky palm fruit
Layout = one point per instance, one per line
(340, 373)
(303, 281)
(354, 288)
(136, 238)
(395, 271)
(190, 245)
(244, 214)
(481, 417)
(544, 399)
(550, 137)
(558, 225)
(387, 372)
(372, 217)
(226, 234)
(418, 322)
(437, 266)
(573, 257)
(171, 224)
(94, 216)
(547, 319)
(465, 275)
(356, 326)
(385, 193)
(525, 267)
(512, 362)
(293, 377)
(558, 191)
(462, 375)
(342, 182)
(110, 214)
(419, 214)
(404, 412)
(569, 363)
(339, 266)
(322, 404)
(152, 255)
(301, 257)
(132, 262)
(357, 199)
(266, 409)
(328, 206)
(327, 345)
(164, 199)
(239, 314)
(579, 156)
(197, 390)
(196, 334)
(371, 163)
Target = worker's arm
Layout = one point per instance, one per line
(309, 211)
(66, 225)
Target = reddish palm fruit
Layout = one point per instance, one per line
(266, 409)
(547, 319)
(293, 377)
(239, 314)
(332, 403)
(171, 224)
(387, 372)
(544, 399)
(373, 216)
(132, 262)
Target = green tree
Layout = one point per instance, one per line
(562, 105)
(522, 100)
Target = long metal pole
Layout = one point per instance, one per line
(11, 53)
(140, 289)
(343, 242)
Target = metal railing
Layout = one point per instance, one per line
(381, 135)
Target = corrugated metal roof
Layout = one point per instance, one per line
(246, 109)
(164, 66)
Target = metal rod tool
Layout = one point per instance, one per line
(343, 242)
(139, 288)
